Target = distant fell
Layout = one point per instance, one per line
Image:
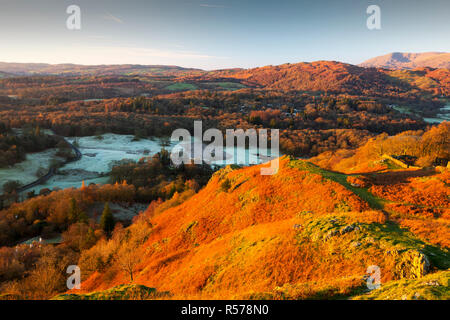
(76, 69)
(404, 60)
(317, 76)
(5, 75)
(339, 77)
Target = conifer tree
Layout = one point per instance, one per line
(107, 220)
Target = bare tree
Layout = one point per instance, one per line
(128, 258)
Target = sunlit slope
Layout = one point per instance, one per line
(332, 76)
(301, 233)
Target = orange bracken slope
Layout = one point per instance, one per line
(294, 234)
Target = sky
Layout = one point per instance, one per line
(215, 34)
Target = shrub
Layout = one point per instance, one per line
(225, 185)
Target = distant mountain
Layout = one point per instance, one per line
(400, 60)
(74, 69)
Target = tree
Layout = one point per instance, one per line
(226, 185)
(11, 186)
(48, 276)
(128, 258)
(79, 237)
(107, 220)
(75, 214)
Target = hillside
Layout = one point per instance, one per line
(423, 147)
(304, 232)
(315, 76)
(436, 81)
(123, 292)
(318, 76)
(434, 286)
(401, 60)
(332, 76)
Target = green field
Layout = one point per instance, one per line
(227, 85)
(181, 86)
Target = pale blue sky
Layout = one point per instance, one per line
(213, 34)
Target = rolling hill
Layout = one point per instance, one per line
(400, 60)
(99, 70)
(304, 232)
(318, 76)
(332, 76)
(314, 76)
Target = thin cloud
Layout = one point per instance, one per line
(212, 5)
(98, 37)
(109, 16)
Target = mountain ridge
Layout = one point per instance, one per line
(407, 60)
(317, 76)
(70, 68)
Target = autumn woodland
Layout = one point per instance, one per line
(359, 184)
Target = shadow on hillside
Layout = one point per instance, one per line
(392, 177)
